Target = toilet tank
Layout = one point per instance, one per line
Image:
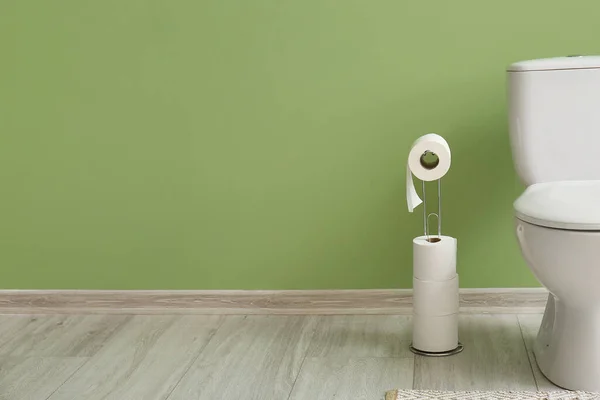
(554, 118)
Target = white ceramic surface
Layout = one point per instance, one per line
(554, 124)
(556, 63)
(568, 263)
(572, 205)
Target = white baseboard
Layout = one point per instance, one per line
(282, 302)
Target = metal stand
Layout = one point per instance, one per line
(438, 215)
(457, 350)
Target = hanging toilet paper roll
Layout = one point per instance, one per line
(428, 159)
(435, 334)
(434, 261)
(434, 298)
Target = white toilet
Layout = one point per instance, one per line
(554, 112)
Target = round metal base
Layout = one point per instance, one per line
(457, 350)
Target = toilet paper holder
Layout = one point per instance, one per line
(438, 215)
(435, 299)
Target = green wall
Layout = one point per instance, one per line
(195, 144)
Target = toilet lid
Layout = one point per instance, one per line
(573, 205)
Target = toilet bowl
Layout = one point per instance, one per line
(555, 143)
(567, 348)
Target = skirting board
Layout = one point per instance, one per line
(281, 302)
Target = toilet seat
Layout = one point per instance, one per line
(569, 205)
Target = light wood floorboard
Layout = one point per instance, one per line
(187, 357)
(494, 358)
(58, 335)
(35, 378)
(11, 327)
(352, 378)
(362, 336)
(144, 361)
(250, 358)
(530, 325)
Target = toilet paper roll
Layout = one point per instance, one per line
(425, 170)
(434, 298)
(434, 261)
(435, 334)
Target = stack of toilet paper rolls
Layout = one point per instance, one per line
(435, 294)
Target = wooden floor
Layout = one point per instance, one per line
(179, 357)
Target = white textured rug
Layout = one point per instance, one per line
(489, 395)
